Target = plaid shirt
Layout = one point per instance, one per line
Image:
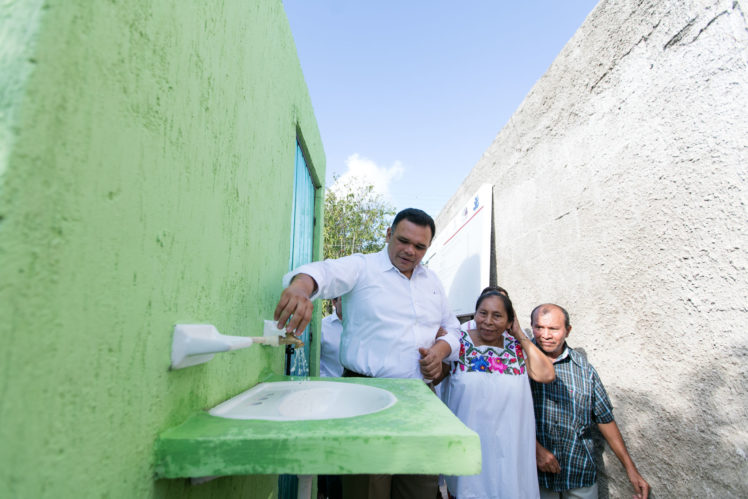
(565, 411)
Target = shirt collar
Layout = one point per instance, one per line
(383, 262)
(572, 355)
(576, 357)
(564, 354)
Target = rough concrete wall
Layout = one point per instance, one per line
(146, 180)
(620, 193)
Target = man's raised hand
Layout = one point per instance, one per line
(294, 310)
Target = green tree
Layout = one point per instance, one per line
(356, 220)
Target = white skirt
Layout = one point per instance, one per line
(498, 407)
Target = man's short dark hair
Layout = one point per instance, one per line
(545, 308)
(416, 216)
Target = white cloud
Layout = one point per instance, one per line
(365, 171)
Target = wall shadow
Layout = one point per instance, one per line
(680, 454)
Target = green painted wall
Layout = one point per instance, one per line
(146, 172)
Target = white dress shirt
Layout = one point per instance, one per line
(329, 351)
(387, 316)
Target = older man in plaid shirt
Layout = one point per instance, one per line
(565, 411)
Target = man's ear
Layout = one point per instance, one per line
(388, 235)
(567, 332)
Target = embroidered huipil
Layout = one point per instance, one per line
(509, 360)
(566, 410)
(387, 316)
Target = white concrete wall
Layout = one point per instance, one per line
(620, 193)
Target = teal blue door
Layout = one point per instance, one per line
(302, 239)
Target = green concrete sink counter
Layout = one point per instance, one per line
(418, 434)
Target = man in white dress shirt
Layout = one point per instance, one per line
(394, 307)
(329, 349)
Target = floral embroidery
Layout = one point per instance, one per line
(497, 365)
(479, 363)
(507, 360)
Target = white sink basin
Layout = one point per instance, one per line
(305, 400)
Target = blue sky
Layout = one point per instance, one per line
(409, 94)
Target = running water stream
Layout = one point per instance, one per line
(299, 365)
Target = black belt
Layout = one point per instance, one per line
(347, 373)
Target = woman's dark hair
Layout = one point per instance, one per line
(504, 298)
(495, 288)
(416, 216)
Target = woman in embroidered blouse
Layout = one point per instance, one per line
(489, 390)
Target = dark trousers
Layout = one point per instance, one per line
(390, 486)
(347, 373)
(387, 486)
(329, 487)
